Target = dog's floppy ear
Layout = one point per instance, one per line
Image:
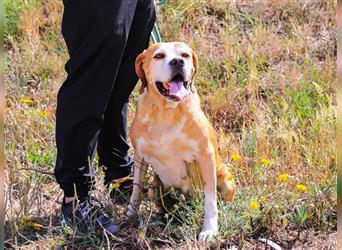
(140, 72)
(195, 64)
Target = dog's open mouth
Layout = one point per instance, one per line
(176, 89)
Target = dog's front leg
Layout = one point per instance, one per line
(140, 168)
(208, 173)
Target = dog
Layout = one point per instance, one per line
(170, 130)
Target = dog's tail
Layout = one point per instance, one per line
(225, 182)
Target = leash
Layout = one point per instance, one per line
(155, 34)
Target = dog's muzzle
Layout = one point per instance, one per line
(175, 89)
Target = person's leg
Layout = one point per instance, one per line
(112, 144)
(95, 33)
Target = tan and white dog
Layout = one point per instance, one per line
(170, 130)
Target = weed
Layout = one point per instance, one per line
(300, 216)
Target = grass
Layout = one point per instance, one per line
(267, 83)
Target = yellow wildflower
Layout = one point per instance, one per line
(141, 235)
(229, 177)
(36, 227)
(265, 161)
(44, 113)
(283, 177)
(301, 187)
(235, 157)
(262, 198)
(115, 185)
(25, 100)
(254, 205)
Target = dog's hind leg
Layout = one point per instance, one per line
(225, 182)
(224, 178)
(140, 167)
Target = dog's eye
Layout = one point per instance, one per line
(185, 55)
(159, 56)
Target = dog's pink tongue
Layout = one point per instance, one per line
(178, 90)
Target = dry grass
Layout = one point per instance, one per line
(266, 79)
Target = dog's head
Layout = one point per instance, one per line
(167, 69)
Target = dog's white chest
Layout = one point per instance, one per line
(167, 148)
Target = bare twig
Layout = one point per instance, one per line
(37, 170)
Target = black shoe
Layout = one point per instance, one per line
(86, 216)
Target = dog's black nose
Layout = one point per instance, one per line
(177, 62)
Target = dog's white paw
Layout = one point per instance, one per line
(207, 235)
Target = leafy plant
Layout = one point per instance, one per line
(300, 216)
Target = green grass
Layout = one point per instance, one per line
(12, 12)
(267, 83)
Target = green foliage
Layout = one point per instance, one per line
(300, 216)
(12, 14)
(14, 9)
(40, 157)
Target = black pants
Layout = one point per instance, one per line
(103, 38)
